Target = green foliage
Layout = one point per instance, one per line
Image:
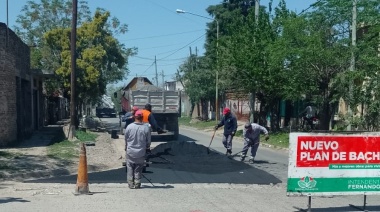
(64, 150)
(198, 79)
(38, 18)
(292, 57)
(67, 150)
(101, 59)
(277, 139)
(85, 136)
(239, 133)
(45, 25)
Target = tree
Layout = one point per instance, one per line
(339, 16)
(368, 67)
(245, 53)
(199, 82)
(36, 19)
(101, 59)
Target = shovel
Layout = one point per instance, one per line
(212, 138)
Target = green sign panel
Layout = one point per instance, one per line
(354, 184)
(354, 166)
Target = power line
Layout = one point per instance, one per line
(175, 59)
(156, 47)
(170, 64)
(182, 58)
(165, 8)
(144, 58)
(138, 64)
(183, 47)
(311, 5)
(158, 36)
(148, 68)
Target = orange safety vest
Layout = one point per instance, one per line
(145, 114)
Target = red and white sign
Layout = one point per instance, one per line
(321, 151)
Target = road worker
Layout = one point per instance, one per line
(148, 117)
(137, 143)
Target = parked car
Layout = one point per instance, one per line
(106, 112)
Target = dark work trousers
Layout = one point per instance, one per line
(253, 146)
(134, 170)
(227, 141)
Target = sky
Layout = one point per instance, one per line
(156, 30)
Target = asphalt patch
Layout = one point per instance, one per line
(183, 163)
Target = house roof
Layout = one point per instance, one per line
(135, 78)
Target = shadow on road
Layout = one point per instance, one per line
(12, 199)
(183, 163)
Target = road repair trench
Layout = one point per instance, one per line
(191, 163)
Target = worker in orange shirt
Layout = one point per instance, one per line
(149, 118)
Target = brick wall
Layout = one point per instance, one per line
(15, 78)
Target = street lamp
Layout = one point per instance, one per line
(217, 58)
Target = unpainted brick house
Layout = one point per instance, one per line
(21, 97)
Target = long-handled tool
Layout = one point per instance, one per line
(257, 143)
(147, 179)
(212, 138)
(158, 156)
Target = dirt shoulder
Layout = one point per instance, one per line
(20, 163)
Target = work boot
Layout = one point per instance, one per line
(137, 185)
(251, 160)
(229, 152)
(160, 131)
(131, 185)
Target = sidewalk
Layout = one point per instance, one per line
(43, 137)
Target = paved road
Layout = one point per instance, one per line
(196, 167)
(193, 184)
(111, 123)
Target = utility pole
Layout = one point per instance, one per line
(196, 58)
(191, 60)
(217, 113)
(253, 94)
(257, 11)
(73, 111)
(217, 60)
(155, 63)
(352, 64)
(7, 26)
(163, 79)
